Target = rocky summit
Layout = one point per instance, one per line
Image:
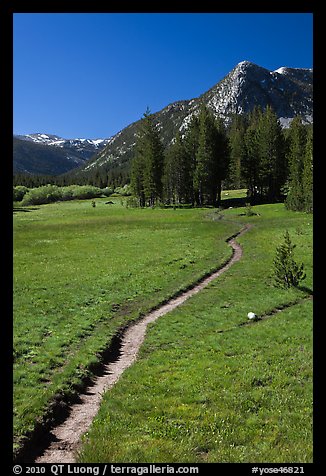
(288, 90)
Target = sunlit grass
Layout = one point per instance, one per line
(205, 389)
(81, 273)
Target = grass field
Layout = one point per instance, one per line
(205, 389)
(81, 273)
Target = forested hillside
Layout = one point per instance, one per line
(254, 152)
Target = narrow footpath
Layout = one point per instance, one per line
(65, 438)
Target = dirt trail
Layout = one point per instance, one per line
(66, 436)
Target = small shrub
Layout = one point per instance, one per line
(287, 272)
(249, 211)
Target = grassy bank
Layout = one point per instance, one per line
(206, 389)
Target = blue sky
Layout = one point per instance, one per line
(90, 75)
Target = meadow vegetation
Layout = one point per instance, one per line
(206, 387)
(210, 387)
(81, 273)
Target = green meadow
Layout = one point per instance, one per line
(80, 274)
(205, 388)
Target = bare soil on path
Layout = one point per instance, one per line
(65, 438)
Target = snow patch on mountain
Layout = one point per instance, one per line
(289, 91)
(53, 140)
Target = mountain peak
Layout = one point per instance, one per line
(287, 90)
(246, 64)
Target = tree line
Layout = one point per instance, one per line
(254, 152)
(98, 178)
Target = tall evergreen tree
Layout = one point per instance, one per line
(148, 163)
(177, 173)
(191, 142)
(211, 159)
(236, 135)
(297, 143)
(251, 158)
(264, 161)
(273, 168)
(307, 175)
(137, 176)
(204, 156)
(222, 161)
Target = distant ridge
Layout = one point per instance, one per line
(49, 154)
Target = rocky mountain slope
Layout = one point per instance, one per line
(52, 155)
(287, 90)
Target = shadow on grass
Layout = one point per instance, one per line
(21, 209)
(305, 289)
(233, 202)
(243, 201)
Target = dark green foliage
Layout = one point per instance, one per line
(264, 162)
(296, 141)
(236, 135)
(300, 183)
(250, 165)
(254, 152)
(191, 143)
(207, 147)
(307, 176)
(196, 164)
(272, 155)
(148, 163)
(287, 272)
(178, 187)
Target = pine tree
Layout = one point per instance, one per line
(177, 173)
(203, 156)
(297, 142)
(137, 177)
(251, 162)
(236, 134)
(264, 166)
(148, 163)
(191, 141)
(287, 272)
(222, 159)
(212, 158)
(307, 174)
(272, 154)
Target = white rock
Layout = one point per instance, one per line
(252, 315)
